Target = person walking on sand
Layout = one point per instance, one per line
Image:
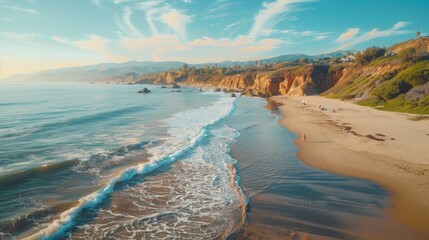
(303, 137)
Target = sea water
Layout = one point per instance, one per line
(101, 161)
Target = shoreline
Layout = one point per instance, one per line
(383, 147)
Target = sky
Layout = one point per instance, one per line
(47, 34)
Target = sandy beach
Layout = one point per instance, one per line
(384, 147)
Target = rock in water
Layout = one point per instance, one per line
(144, 90)
(217, 90)
(233, 95)
(175, 86)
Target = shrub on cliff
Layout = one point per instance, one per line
(413, 76)
(409, 55)
(369, 55)
(391, 89)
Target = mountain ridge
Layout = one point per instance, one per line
(95, 72)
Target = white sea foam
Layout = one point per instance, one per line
(187, 129)
(197, 198)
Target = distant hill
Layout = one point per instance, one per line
(103, 71)
(95, 72)
(278, 59)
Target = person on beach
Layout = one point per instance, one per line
(303, 137)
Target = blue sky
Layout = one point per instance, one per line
(46, 34)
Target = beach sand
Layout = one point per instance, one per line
(384, 147)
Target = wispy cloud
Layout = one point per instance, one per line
(271, 14)
(349, 34)
(127, 20)
(94, 43)
(148, 5)
(220, 6)
(163, 47)
(309, 34)
(96, 2)
(176, 21)
(121, 1)
(375, 33)
(320, 37)
(21, 37)
(26, 10)
(233, 27)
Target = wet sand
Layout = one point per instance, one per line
(303, 193)
(384, 147)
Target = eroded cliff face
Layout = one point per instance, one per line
(353, 81)
(299, 80)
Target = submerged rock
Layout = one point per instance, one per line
(163, 87)
(175, 86)
(144, 90)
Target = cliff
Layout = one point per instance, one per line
(291, 80)
(394, 79)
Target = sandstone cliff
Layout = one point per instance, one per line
(396, 78)
(294, 80)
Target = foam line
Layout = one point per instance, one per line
(190, 134)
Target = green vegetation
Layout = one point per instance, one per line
(392, 79)
(400, 104)
(391, 94)
(413, 76)
(369, 55)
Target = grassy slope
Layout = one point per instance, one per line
(390, 95)
(385, 81)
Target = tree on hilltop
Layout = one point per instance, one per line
(369, 55)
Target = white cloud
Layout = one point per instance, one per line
(149, 20)
(176, 21)
(220, 6)
(127, 20)
(121, 1)
(233, 27)
(320, 37)
(376, 33)
(164, 47)
(148, 4)
(349, 34)
(21, 37)
(308, 34)
(26, 10)
(96, 2)
(399, 25)
(93, 43)
(271, 14)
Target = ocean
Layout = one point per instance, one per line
(101, 161)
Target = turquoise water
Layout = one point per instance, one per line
(99, 160)
(66, 149)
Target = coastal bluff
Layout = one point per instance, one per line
(295, 80)
(392, 79)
